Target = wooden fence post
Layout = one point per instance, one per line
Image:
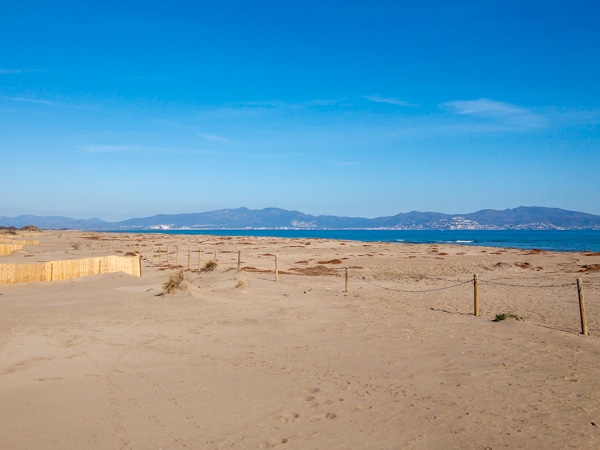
(152, 253)
(215, 256)
(177, 256)
(199, 258)
(167, 255)
(584, 327)
(346, 281)
(276, 267)
(239, 258)
(189, 256)
(475, 296)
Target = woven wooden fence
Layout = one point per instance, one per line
(69, 268)
(19, 241)
(8, 249)
(8, 246)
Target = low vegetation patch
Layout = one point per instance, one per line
(504, 316)
(209, 266)
(254, 269)
(174, 283)
(13, 230)
(314, 271)
(93, 237)
(8, 230)
(535, 251)
(30, 228)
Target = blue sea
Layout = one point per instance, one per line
(567, 240)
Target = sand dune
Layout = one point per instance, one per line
(237, 360)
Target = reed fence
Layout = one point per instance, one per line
(9, 249)
(69, 268)
(19, 241)
(8, 245)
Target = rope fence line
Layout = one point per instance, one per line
(173, 252)
(167, 255)
(417, 291)
(527, 285)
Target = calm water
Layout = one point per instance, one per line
(544, 240)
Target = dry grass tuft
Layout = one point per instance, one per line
(242, 284)
(209, 266)
(174, 283)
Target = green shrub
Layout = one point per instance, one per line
(504, 316)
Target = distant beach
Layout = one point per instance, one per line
(554, 240)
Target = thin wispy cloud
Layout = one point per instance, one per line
(27, 100)
(5, 71)
(10, 71)
(505, 115)
(212, 137)
(484, 107)
(147, 149)
(194, 129)
(116, 148)
(283, 105)
(390, 100)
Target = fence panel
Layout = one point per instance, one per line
(69, 268)
(8, 249)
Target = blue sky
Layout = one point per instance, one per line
(358, 108)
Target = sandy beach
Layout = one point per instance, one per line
(236, 359)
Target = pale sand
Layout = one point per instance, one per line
(102, 362)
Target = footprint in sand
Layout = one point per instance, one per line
(323, 415)
(288, 417)
(273, 442)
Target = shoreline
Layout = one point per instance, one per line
(548, 240)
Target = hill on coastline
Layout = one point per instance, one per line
(523, 217)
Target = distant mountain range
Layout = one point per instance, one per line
(523, 217)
